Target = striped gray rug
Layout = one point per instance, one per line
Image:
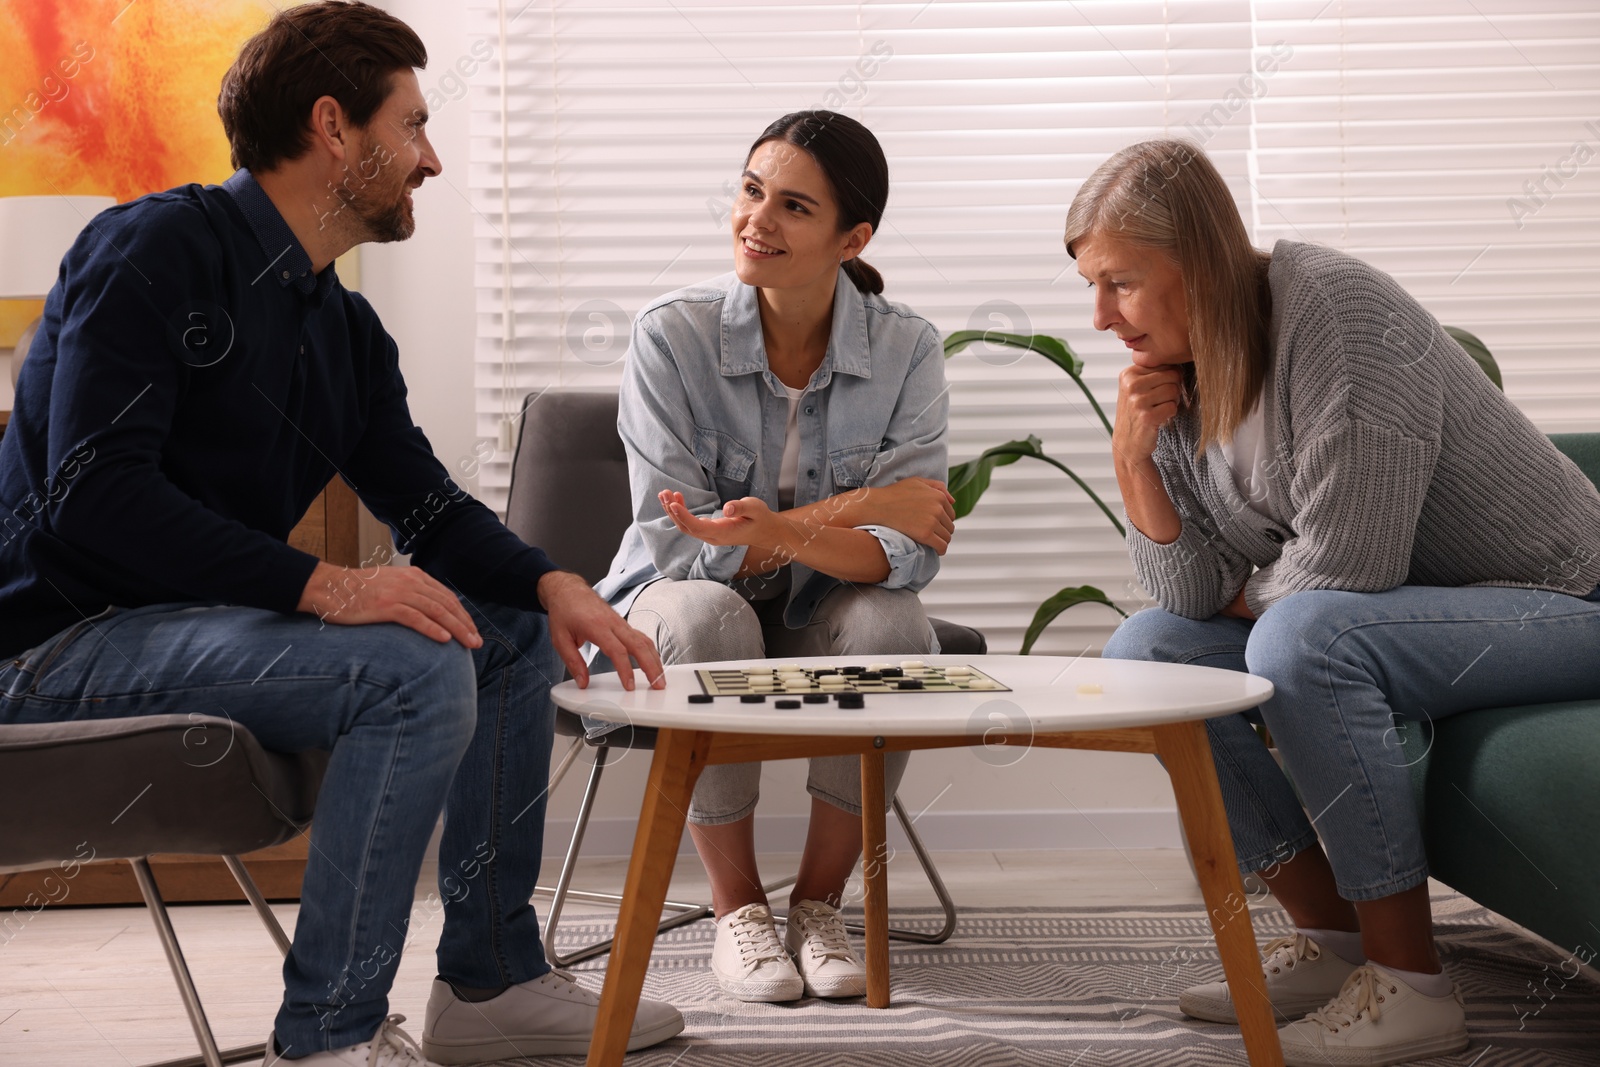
(1086, 987)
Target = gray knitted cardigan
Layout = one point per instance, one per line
(1393, 461)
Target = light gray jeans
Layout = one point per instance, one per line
(701, 622)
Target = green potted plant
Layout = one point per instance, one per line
(968, 480)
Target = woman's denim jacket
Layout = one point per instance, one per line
(701, 413)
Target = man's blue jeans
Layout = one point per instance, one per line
(414, 727)
(1345, 667)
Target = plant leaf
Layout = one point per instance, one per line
(1479, 353)
(1066, 598)
(1052, 348)
(968, 480)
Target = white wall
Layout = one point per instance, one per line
(423, 289)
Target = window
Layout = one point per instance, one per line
(605, 179)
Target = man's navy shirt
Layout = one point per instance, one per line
(191, 389)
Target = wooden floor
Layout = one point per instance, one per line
(90, 986)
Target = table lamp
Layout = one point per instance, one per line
(35, 232)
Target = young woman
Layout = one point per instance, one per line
(1324, 490)
(785, 428)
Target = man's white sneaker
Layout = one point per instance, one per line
(1377, 1019)
(550, 1016)
(389, 1047)
(749, 960)
(1301, 976)
(816, 937)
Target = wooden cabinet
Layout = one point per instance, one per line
(338, 529)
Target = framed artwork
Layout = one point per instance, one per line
(113, 98)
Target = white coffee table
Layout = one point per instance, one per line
(1116, 705)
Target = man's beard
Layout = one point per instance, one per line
(384, 220)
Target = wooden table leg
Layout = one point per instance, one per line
(1187, 755)
(875, 878)
(679, 758)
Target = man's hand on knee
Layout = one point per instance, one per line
(409, 596)
(578, 615)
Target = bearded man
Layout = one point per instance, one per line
(199, 376)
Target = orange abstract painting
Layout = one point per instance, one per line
(113, 98)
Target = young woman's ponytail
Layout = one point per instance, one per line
(866, 276)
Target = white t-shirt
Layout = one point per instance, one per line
(1247, 456)
(789, 465)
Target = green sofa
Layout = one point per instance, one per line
(1510, 800)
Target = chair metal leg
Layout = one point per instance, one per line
(567, 759)
(240, 1054)
(782, 883)
(939, 888)
(210, 1055)
(558, 898)
(258, 902)
(685, 913)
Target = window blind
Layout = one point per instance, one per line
(604, 180)
(1456, 146)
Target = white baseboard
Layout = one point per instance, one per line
(957, 831)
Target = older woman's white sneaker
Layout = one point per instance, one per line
(816, 937)
(1301, 976)
(1376, 1020)
(749, 960)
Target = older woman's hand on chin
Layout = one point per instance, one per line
(1147, 399)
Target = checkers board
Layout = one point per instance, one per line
(793, 680)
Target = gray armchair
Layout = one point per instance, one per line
(569, 495)
(127, 788)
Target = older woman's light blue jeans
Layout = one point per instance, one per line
(1346, 667)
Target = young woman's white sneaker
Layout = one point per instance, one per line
(1301, 976)
(1376, 1020)
(749, 960)
(816, 937)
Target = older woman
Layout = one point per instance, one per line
(1325, 491)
